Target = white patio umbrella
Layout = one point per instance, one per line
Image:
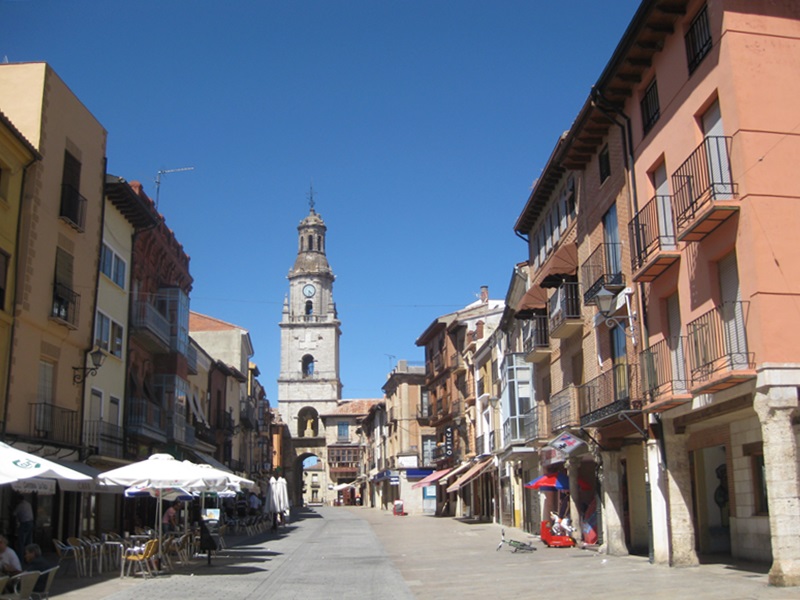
(16, 464)
(162, 471)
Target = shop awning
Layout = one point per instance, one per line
(210, 460)
(476, 469)
(430, 479)
(86, 486)
(459, 469)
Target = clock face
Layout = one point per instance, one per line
(308, 290)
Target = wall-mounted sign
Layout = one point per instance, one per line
(448, 441)
(569, 444)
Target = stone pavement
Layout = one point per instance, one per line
(422, 557)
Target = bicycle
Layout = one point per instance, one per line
(516, 546)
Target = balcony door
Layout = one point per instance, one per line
(719, 168)
(613, 247)
(676, 354)
(732, 312)
(619, 359)
(666, 223)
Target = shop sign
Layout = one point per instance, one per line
(448, 441)
(569, 444)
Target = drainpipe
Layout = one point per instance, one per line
(14, 298)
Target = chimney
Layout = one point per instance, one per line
(484, 293)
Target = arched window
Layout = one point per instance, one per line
(309, 307)
(310, 242)
(308, 365)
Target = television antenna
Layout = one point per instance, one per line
(164, 172)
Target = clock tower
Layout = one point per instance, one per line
(309, 383)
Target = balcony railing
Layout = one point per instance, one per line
(146, 317)
(565, 310)
(652, 234)
(564, 409)
(65, 305)
(664, 376)
(612, 392)
(603, 269)
(457, 362)
(54, 424)
(105, 439)
(704, 189)
(145, 418)
(73, 207)
(531, 424)
(718, 348)
(537, 339)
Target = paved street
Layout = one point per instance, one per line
(327, 552)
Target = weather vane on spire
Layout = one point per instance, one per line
(311, 197)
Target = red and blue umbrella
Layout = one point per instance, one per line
(555, 482)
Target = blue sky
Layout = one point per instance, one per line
(422, 125)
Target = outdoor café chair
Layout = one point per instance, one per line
(23, 584)
(45, 593)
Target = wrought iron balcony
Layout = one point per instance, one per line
(565, 311)
(106, 439)
(615, 391)
(144, 418)
(717, 347)
(652, 234)
(705, 194)
(603, 269)
(65, 305)
(665, 381)
(153, 326)
(564, 409)
(54, 423)
(531, 424)
(537, 338)
(73, 207)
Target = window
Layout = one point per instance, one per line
(651, 110)
(73, 205)
(65, 300)
(605, 164)
(4, 259)
(698, 40)
(343, 430)
(108, 335)
(112, 266)
(309, 308)
(308, 365)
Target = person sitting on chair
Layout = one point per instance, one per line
(34, 561)
(9, 561)
(169, 522)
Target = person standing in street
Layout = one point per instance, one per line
(23, 513)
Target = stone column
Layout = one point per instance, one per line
(657, 477)
(679, 488)
(611, 487)
(776, 407)
(574, 493)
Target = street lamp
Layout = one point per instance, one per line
(79, 374)
(605, 304)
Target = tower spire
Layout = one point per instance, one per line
(311, 202)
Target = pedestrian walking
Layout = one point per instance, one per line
(23, 513)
